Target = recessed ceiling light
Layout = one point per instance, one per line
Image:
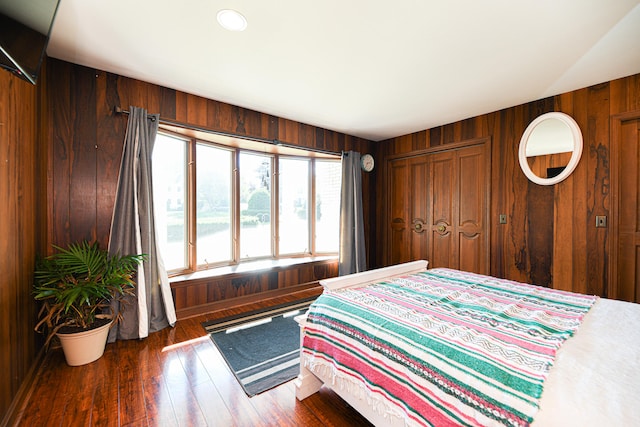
(232, 20)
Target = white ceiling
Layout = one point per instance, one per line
(369, 68)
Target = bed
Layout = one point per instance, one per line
(406, 345)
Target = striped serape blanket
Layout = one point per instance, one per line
(443, 347)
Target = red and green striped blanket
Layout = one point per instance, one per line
(443, 347)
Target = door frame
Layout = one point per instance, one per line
(485, 141)
(615, 146)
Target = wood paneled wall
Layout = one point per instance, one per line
(21, 179)
(550, 237)
(86, 145)
(87, 136)
(207, 294)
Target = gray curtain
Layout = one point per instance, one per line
(352, 256)
(133, 232)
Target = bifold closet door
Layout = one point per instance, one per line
(438, 208)
(458, 203)
(407, 209)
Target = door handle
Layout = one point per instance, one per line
(442, 228)
(418, 226)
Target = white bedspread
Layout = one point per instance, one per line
(595, 380)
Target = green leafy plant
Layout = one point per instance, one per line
(76, 286)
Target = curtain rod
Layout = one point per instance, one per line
(275, 142)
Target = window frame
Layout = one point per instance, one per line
(311, 183)
(273, 160)
(275, 153)
(193, 200)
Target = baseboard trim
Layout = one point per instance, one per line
(19, 402)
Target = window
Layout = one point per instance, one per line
(169, 199)
(327, 217)
(293, 206)
(255, 205)
(218, 205)
(213, 205)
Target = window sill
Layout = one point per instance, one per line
(249, 268)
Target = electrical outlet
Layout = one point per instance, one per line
(601, 221)
(503, 219)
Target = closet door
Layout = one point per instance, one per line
(442, 204)
(407, 192)
(438, 208)
(473, 210)
(458, 202)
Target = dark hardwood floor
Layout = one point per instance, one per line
(175, 377)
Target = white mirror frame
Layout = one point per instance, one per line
(575, 156)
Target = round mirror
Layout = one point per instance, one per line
(550, 148)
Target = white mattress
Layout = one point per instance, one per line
(595, 380)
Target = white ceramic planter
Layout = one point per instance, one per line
(84, 347)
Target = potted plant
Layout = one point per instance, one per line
(76, 286)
